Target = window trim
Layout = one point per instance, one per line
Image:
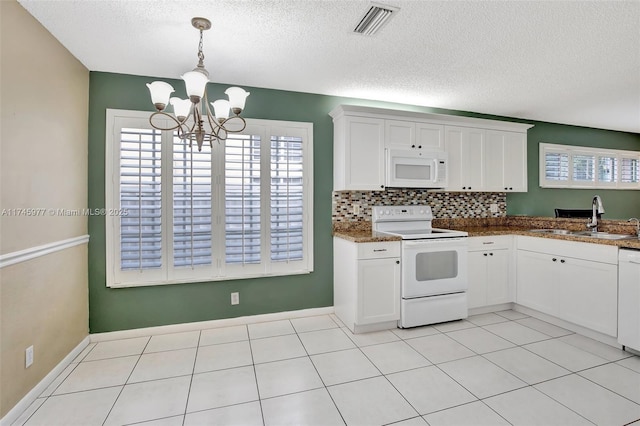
(597, 153)
(218, 270)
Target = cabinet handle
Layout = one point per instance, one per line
(488, 242)
(562, 261)
(490, 254)
(505, 188)
(554, 259)
(375, 250)
(397, 262)
(413, 146)
(485, 254)
(419, 146)
(510, 188)
(382, 186)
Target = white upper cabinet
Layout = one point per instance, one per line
(484, 155)
(505, 162)
(358, 154)
(401, 134)
(466, 150)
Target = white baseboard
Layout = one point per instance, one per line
(200, 325)
(34, 393)
(490, 309)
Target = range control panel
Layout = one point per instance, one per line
(401, 213)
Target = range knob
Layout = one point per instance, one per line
(388, 212)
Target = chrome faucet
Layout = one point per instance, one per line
(637, 226)
(596, 208)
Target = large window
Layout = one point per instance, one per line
(565, 166)
(240, 209)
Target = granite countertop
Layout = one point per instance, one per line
(360, 232)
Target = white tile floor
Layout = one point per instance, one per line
(492, 369)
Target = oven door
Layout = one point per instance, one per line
(434, 266)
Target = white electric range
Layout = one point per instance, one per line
(434, 265)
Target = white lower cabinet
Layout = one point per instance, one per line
(489, 271)
(366, 284)
(575, 282)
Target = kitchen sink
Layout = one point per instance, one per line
(552, 231)
(589, 234)
(604, 235)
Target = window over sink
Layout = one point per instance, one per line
(566, 166)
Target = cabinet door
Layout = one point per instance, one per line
(505, 161)
(494, 161)
(378, 290)
(537, 282)
(365, 153)
(477, 291)
(399, 134)
(454, 146)
(430, 136)
(515, 162)
(498, 277)
(465, 147)
(588, 294)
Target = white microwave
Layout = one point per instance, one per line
(412, 168)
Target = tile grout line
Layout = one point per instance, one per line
(193, 372)
(326, 388)
(115, 401)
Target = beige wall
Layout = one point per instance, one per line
(43, 164)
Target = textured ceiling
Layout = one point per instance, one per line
(571, 62)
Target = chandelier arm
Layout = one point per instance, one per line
(244, 124)
(164, 114)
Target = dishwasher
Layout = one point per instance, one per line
(629, 298)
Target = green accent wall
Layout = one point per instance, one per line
(129, 308)
(618, 204)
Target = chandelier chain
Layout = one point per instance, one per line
(200, 54)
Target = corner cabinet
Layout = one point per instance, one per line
(573, 281)
(490, 271)
(484, 155)
(366, 284)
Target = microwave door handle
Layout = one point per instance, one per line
(435, 174)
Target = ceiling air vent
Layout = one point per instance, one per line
(375, 18)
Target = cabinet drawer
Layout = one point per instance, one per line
(490, 243)
(378, 250)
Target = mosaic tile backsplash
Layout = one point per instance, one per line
(445, 205)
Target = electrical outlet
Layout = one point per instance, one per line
(493, 208)
(356, 209)
(235, 298)
(28, 357)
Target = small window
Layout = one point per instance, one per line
(565, 166)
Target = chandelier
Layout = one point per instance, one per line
(192, 117)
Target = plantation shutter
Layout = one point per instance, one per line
(629, 170)
(286, 198)
(556, 166)
(608, 169)
(191, 205)
(141, 198)
(584, 168)
(242, 199)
